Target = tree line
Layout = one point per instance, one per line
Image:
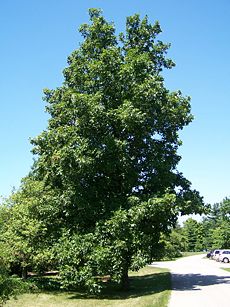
(212, 232)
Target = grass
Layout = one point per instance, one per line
(187, 254)
(183, 254)
(149, 287)
(226, 269)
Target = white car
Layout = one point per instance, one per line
(216, 254)
(225, 256)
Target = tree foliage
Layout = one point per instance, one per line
(24, 238)
(212, 232)
(105, 184)
(219, 224)
(193, 233)
(113, 131)
(110, 150)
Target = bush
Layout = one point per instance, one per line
(10, 286)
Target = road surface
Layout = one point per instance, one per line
(198, 282)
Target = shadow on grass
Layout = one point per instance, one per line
(139, 286)
(44, 284)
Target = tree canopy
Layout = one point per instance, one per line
(110, 149)
(113, 131)
(107, 162)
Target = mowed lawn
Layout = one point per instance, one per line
(149, 287)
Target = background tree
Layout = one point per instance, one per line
(174, 243)
(109, 153)
(190, 233)
(212, 232)
(219, 223)
(221, 235)
(24, 238)
(208, 227)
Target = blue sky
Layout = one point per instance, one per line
(37, 36)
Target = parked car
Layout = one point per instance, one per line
(224, 256)
(216, 254)
(210, 254)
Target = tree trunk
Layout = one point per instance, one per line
(24, 273)
(125, 280)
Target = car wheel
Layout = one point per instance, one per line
(226, 260)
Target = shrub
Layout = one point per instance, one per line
(10, 286)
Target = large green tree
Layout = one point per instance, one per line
(110, 150)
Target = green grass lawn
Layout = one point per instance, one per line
(148, 287)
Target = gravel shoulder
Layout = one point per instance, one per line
(198, 282)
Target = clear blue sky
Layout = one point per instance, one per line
(37, 36)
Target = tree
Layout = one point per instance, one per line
(10, 286)
(219, 222)
(208, 227)
(194, 233)
(190, 231)
(173, 243)
(221, 235)
(110, 149)
(24, 238)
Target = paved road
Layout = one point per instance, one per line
(198, 282)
